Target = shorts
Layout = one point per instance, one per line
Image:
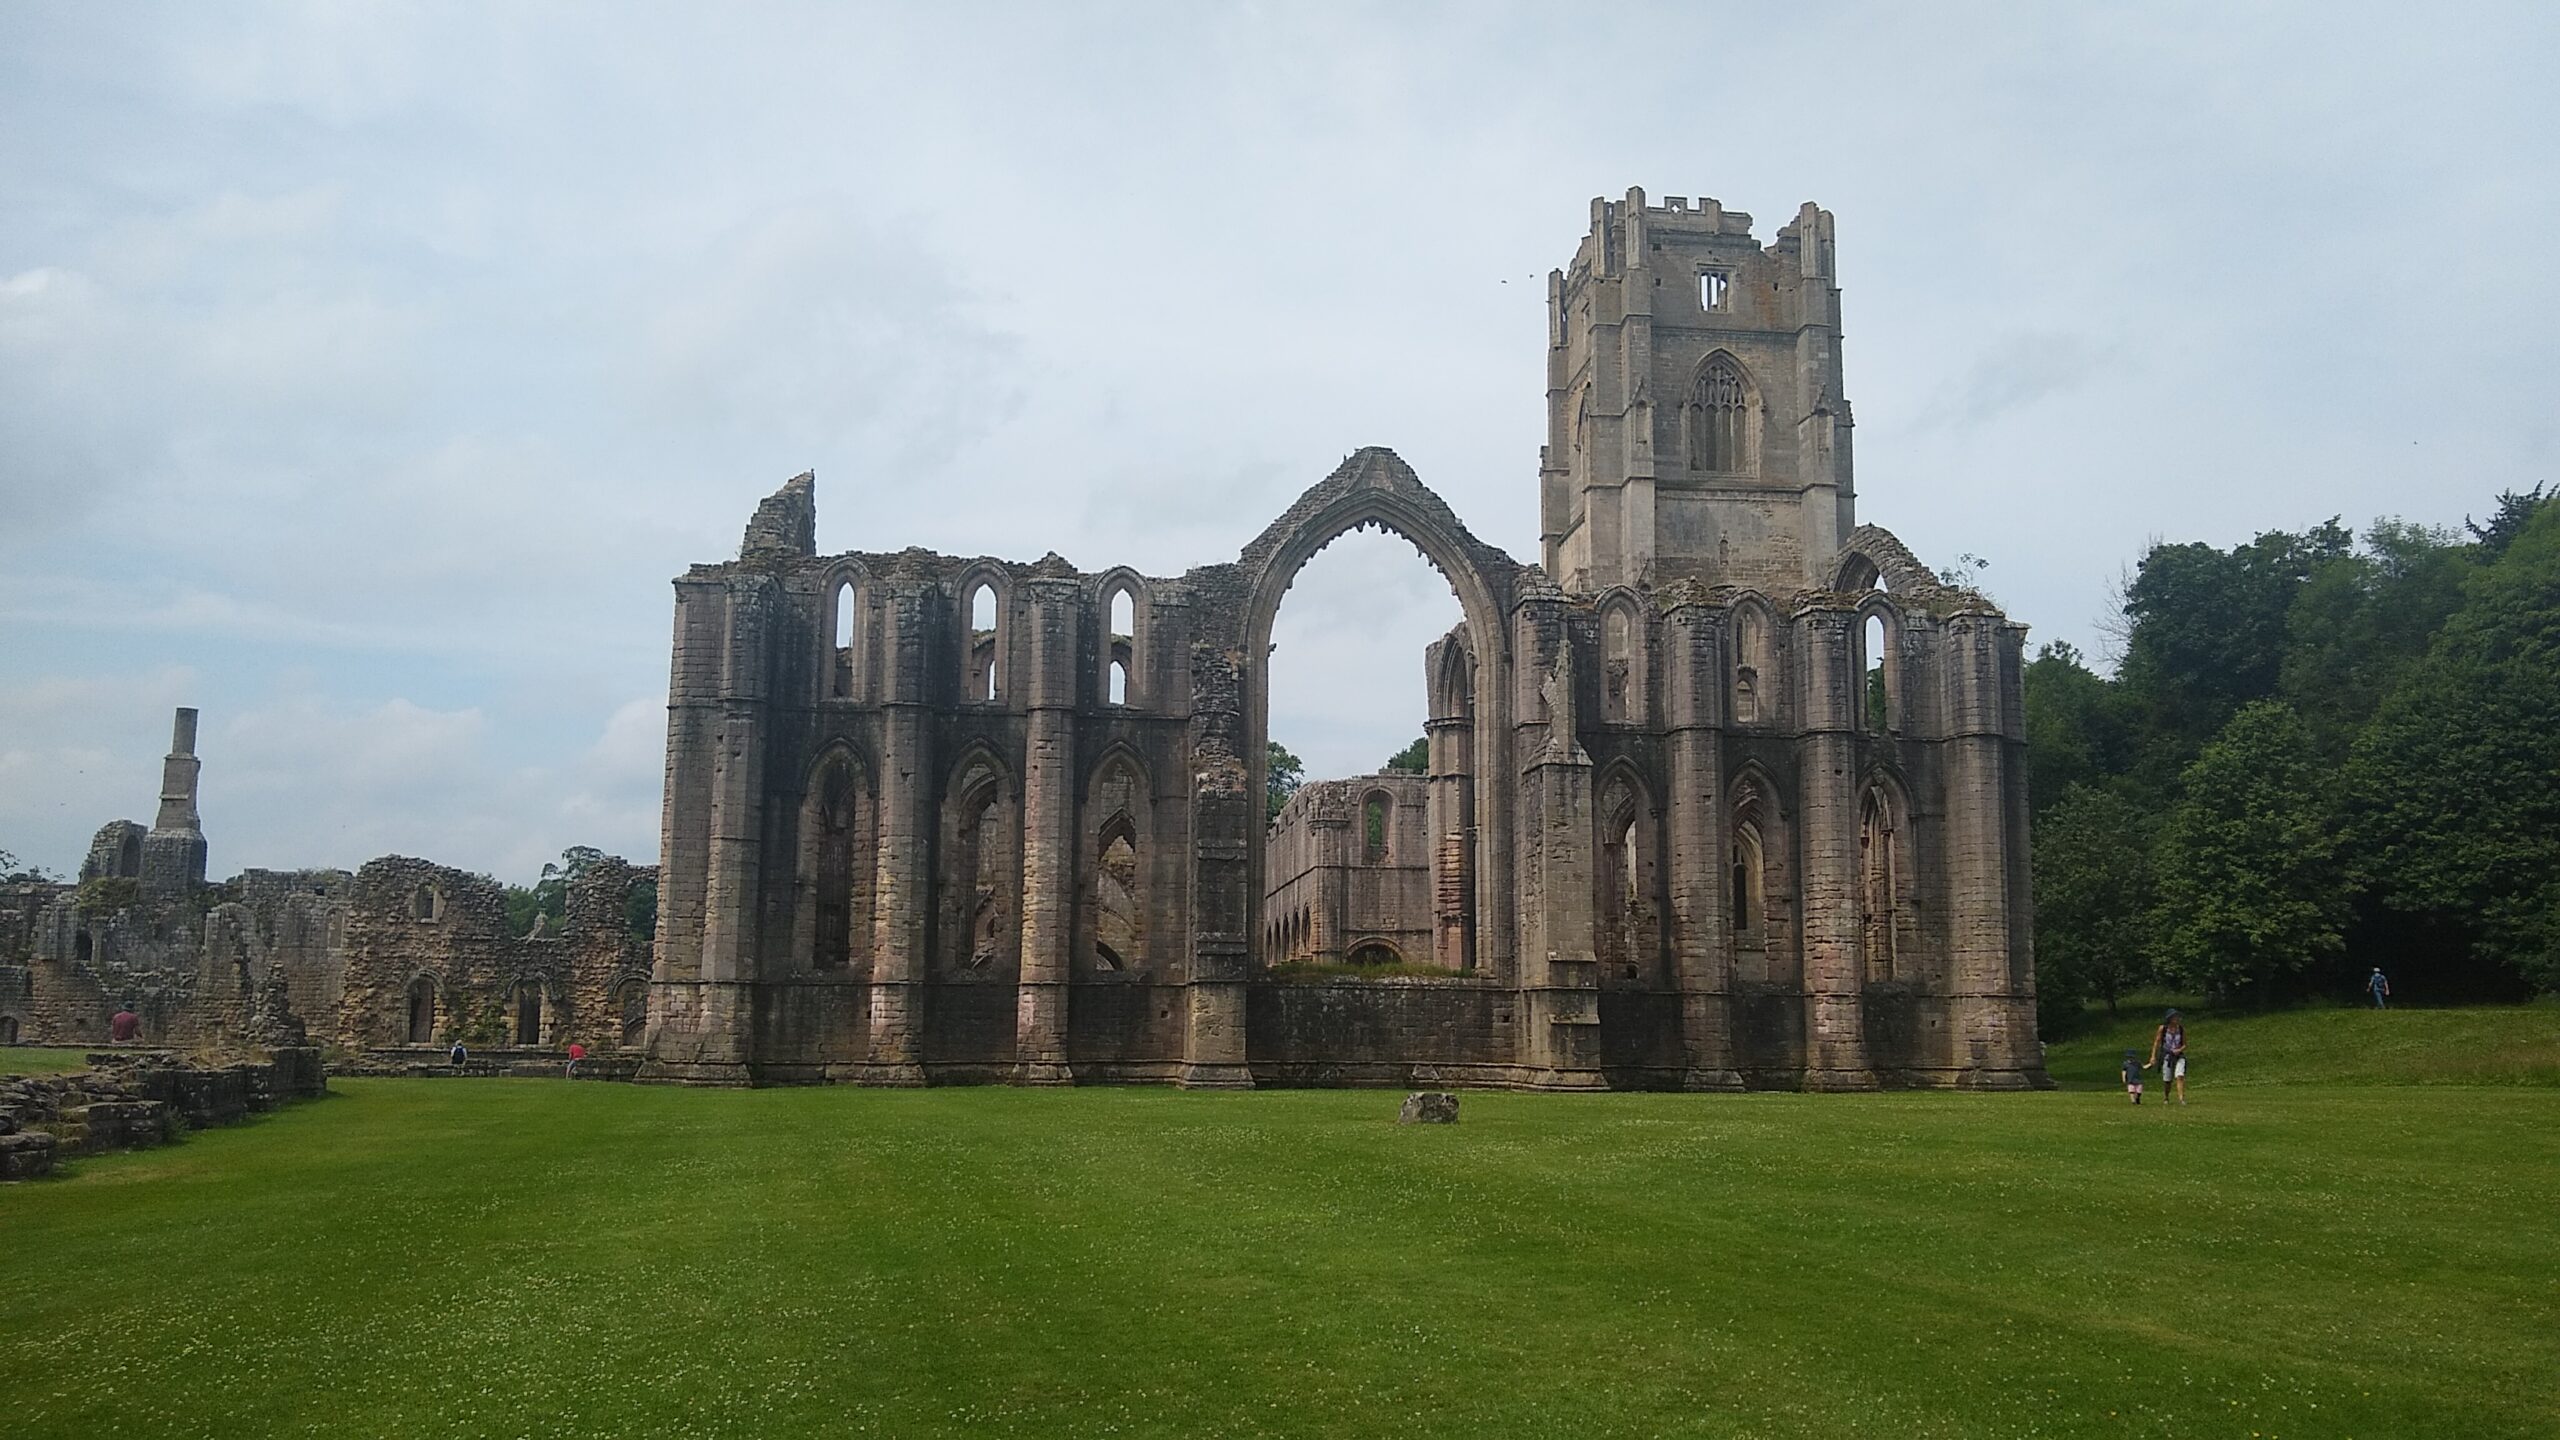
(2173, 1067)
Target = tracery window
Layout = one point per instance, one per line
(1718, 416)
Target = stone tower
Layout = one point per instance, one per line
(1696, 427)
(173, 854)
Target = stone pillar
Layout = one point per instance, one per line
(1834, 977)
(1328, 831)
(902, 895)
(1994, 1025)
(1559, 966)
(1449, 822)
(1048, 833)
(723, 1048)
(1702, 950)
(1224, 820)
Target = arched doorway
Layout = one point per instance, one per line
(1376, 489)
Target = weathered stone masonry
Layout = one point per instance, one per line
(1725, 792)
(403, 955)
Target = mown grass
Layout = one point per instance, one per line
(40, 1060)
(465, 1257)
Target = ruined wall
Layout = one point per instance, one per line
(1348, 873)
(933, 818)
(429, 958)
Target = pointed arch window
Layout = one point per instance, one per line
(1717, 416)
(1880, 886)
(1622, 699)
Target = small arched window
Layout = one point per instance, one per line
(1750, 898)
(1875, 709)
(984, 641)
(1377, 812)
(1754, 670)
(844, 608)
(1718, 418)
(1621, 667)
(1120, 645)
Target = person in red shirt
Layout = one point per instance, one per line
(125, 1026)
(577, 1052)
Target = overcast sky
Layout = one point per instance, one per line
(367, 371)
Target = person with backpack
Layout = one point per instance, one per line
(2380, 985)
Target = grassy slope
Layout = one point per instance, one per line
(517, 1257)
(39, 1060)
(2488, 1045)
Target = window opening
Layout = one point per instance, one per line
(1374, 814)
(1750, 907)
(528, 1015)
(1718, 418)
(1715, 288)
(847, 616)
(1119, 682)
(1617, 679)
(1115, 897)
(1881, 880)
(422, 903)
(1877, 706)
(982, 642)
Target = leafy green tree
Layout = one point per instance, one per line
(2076, 731)
(2250, 889)
(2454, 789)
(1414, 759)
(550, 894)
(2516, 509)
(2360, 621)
(2094, 901)
(1282, 774)
(2207, 631)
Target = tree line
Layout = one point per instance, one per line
(2320, 753)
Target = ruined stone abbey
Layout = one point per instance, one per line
(1724, 791)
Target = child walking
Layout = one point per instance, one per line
(2133, 1075)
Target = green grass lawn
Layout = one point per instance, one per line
(523, 1257)
(40, 1060)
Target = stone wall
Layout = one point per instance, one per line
(429, 958)
(132, 1099)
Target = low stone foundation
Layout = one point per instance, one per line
(422, 1061)
(129, 1100)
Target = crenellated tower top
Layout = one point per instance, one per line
(1696, 423)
